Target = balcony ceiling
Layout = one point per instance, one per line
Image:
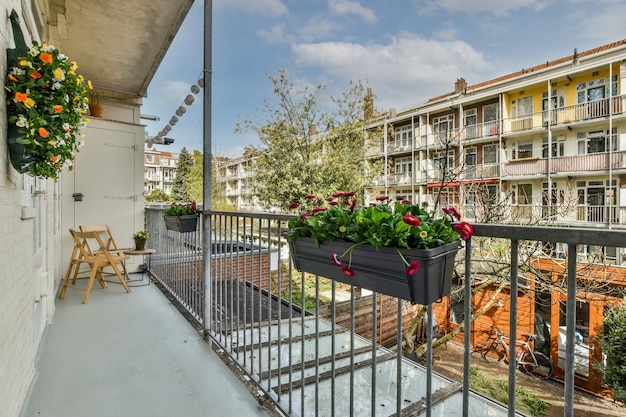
(118, 44)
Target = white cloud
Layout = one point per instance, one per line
(495, 7)
(275, 34)
(344, 7)
(407, 70)
(317, 28)
(271, 8)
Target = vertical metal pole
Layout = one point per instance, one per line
(467, 319)
(429, 360)
(570, 321)
(207, 160)
(513, 321)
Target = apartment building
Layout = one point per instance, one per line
(233, 182)
(547, 142)
(159, 170)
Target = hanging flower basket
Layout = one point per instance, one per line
(381, 270)
(181, 224)
(46, 105)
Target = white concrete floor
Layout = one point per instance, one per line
(130, 355)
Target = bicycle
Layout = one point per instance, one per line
(529, 361)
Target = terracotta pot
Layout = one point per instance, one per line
(381, 270)
(96, 110)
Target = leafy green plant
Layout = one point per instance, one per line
(183, 208)
(142, 234)
(611, 340)
(398, 224)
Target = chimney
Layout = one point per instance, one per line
(460, 85)
(368, 104)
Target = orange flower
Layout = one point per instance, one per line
(57, 108)
(43, 133)
(45, 57)
(54, 158)
(21, 97)
(12, 78)
(35, 74)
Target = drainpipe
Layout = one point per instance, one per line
(549, 161)
(610, 188)
(207, 161)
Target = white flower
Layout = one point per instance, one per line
(22, 121)
(57, 86)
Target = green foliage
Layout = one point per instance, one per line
(526, 400)
(398, 224)
(611, 340)
(195, 177)
(157, 195)
(181, 209)
(180, 188)
(305, 150)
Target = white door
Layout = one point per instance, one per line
(107, 186)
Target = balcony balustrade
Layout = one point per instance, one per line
(565, 164)
(309, 362)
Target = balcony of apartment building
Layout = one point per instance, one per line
(339, 358)
(568, 117)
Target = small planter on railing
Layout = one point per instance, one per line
(397, 249)
(181, 224)
(181, 217)
(381, 270)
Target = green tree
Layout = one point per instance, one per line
(180, 189)
(194, 178)
(306, 149)
(157, 195)
(612, 341)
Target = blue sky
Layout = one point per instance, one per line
(407, 51)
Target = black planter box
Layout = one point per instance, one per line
(381, 270)
(182, 224)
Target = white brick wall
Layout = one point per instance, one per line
(20, 329)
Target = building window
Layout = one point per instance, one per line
(596, 142)
(443, 126)
(442, 161)
(522, 149)
(490, 154)
(558, 147)
(523, 106)
(404, 136)
(150, 159)
(164, 161)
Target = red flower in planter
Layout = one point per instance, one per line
(347, 271)
(413, 268)
(465, 229)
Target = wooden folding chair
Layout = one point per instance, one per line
(89, 249)
(111, 245)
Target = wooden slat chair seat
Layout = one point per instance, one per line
(90, 250)
(111, 245)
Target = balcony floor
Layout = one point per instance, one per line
(130, 355)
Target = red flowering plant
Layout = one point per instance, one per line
(181, 208)
(399, 224)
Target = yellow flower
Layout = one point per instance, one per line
(52, 143)
(29, 103)
(58, 73)
(89, 84)
(23, 63)
(73, 65)
(423, 234)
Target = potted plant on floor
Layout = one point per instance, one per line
(140, 239)
(395, 248)
(181, 216)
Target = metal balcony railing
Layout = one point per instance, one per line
(329, 360)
